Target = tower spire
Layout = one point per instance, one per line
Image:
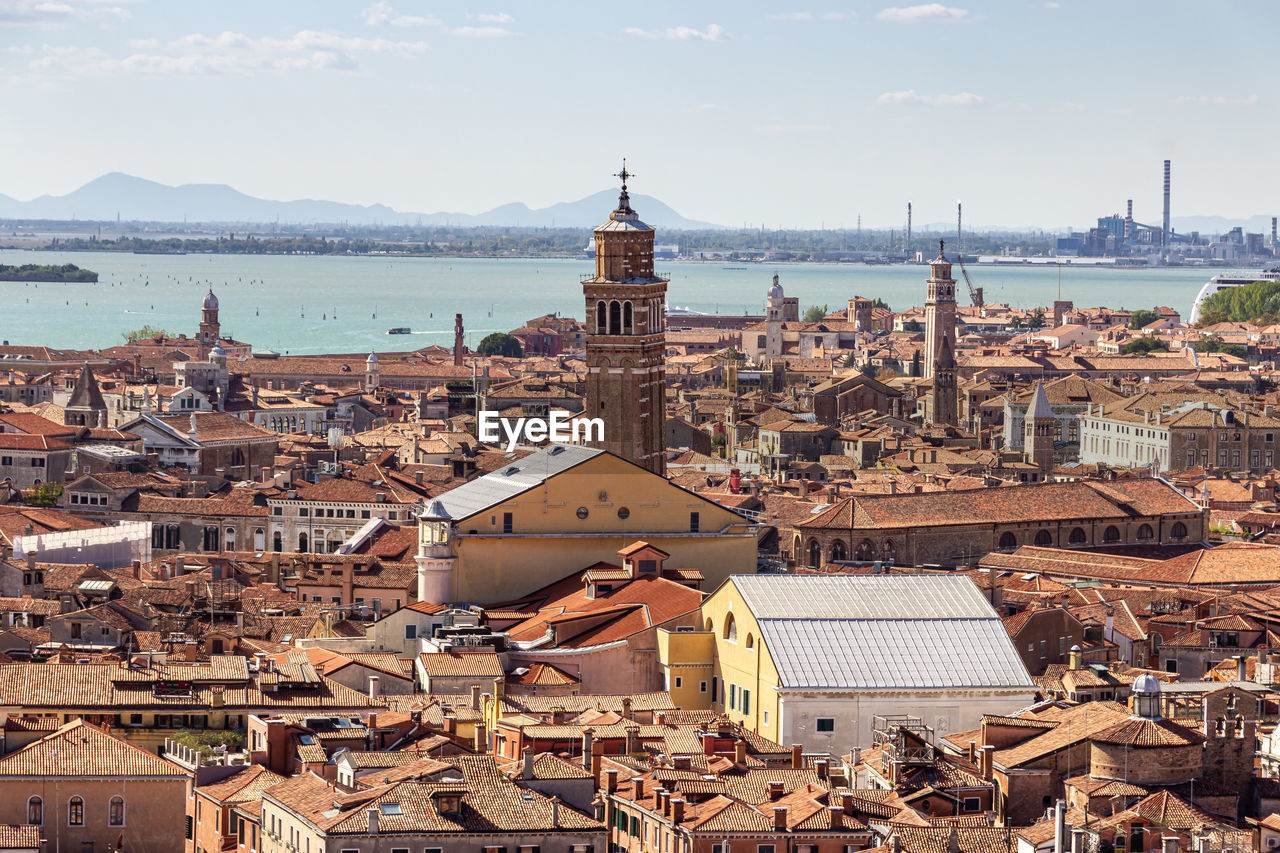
(624, 200)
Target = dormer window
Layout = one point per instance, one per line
(448, 803)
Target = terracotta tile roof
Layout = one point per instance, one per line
(242, 786)
(19, 837)
(451, 664)
(543, 673)
(1140, 732)
(964, 839)
(489, 802)
(79, 749)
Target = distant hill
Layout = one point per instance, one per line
(137, 199)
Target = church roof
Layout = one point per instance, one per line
(1039, 407)
(87, 394)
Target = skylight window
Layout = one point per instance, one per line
(390, 808)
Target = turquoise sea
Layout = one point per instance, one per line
(315, 303)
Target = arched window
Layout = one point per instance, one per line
(1008, 540)
(277, 541)
(866, 551)
(815, 554)
(838, 551)
(1077, 536)
(1178, 531)
(35, 812)
(115, 812)
(709, 626)
(602, 321)
(1111, 534)
(615, 317)
(259, 538)
(75, 812)
(730, 629)
(302, 542)
(230, 539)
(751, 641)
(888, 552)
(237, 458)
(1044, 538)
(626, 317)
(1145, 533)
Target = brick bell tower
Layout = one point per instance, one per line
(626, 339)
(939, 311)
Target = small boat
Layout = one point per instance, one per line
(398, 330)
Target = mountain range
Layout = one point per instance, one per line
(129, 198)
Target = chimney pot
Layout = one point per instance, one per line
(779, 817)
(836, 816)
(797, 756)
(677, 810)
(373, 821)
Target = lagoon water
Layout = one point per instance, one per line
(321, 303)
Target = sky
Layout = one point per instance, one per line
(763, 114)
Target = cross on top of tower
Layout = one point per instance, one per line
(624, 174)
(624, 200)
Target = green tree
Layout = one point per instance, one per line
(1142, 317)
(500, 343)
(867, 369)
(912, 326)
(206, 742)
(1241, 304)
(732, 354)
(879, 303)
(145, 333)
(814, 313)
(851, 360)
(45, 494)
(1144, 345)
(1213, 343)
(1037, 319)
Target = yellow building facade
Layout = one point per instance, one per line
(560, 511)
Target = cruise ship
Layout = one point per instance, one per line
(1230, 279)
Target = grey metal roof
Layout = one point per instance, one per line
(510, 480)
(882, 632)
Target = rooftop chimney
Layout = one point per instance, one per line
(528, 763)
(775, 790)
(677, 810)
(797, 756)
(611, 780)
(373, 687)
(835, 814)
(373, 820)
(779, 817)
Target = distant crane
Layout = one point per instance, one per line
(975, 293)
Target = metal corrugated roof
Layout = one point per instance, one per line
(862, 597)
(510, 480)
(882, 632)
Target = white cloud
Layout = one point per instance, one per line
(792, 16)
(384, 13)
(496, 18)
(713, 32)
(481, 32)
(1053, 5)
(1217, 100)
(838, 16)
(911, 96)
(46, 13)
(226, 53)
(925, 13)
(794, 128)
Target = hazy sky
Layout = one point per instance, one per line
(1045, 113)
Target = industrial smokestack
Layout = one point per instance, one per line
(1164, 235)
(1128, 221)
(959, 233)
(1273, 232)
(908, 245)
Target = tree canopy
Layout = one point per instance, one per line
(1142, 317)
(147, 332)
(500, 343)
(1144, 345)
(1247, 303)
(814, 313)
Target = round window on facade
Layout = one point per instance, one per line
(623, 512)
(583, 512)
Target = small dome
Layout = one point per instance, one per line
(1146, 683)
(372, 359)
(435, 511)
(210, 301)
(218, 351)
